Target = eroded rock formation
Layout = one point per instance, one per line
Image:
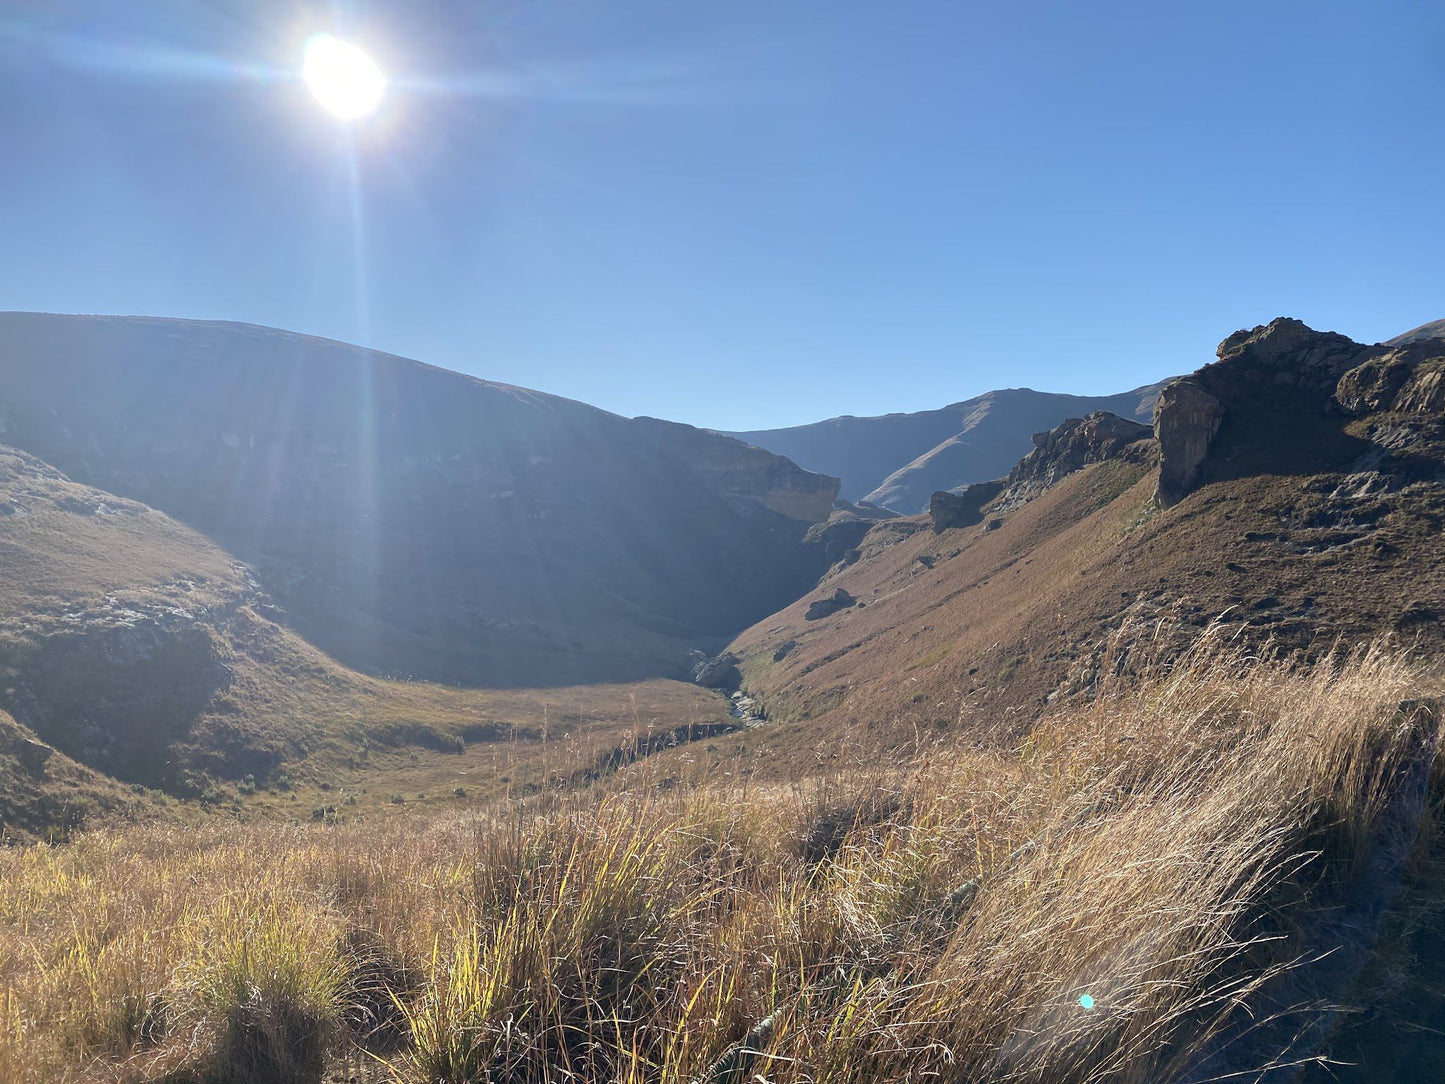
(963, 508)
(1061, 451)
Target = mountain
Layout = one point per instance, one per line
(1296, 491)
(899, 460)
(411, 520)
(135, 650)
(1433, 330)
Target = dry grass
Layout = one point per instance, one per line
(1159, 849)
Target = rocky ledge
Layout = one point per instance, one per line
(1069, 447)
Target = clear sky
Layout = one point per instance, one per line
(741, 214)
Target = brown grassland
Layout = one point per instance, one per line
(1159, 845)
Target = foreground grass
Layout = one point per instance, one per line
(1160, 850)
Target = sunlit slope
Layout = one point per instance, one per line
(139, 648)
(414, 520)
(898, 460)
(1324, 524)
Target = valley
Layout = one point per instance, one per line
(683, 758)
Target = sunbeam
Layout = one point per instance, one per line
(137, 59)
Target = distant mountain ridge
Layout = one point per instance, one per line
(1435, 329)
(417, 521)
(898, 461)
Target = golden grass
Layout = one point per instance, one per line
(1157, 848)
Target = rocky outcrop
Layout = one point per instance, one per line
(1281, 399)
(840, 535)
(1061, 451)
(963, 508)
(1188, 418)
(115, 686)
(827, 607)
(1409, 379)
(717, 672)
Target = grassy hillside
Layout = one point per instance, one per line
(1180, 880)
(1324, 527)
(417, 521)
(145, 652)
(45, 795)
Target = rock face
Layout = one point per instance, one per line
(898, 460)
(964, 508)
(1187, 420)
(114, 687)
(1409, 379)
(1061, 451)
(840, 535)
(1283, 399)
(419, 522)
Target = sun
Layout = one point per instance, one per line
(344, 79)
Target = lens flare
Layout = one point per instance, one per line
(344, 79)
(1086, 1002)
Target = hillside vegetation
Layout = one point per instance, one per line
(1150, 885)
(416, 521)
(147, 670)
(1312, 513)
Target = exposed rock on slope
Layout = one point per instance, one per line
(838, 536)
(43, 793)
(1284, 399)
(112, 622)
(964, 508)
(827, 607)
(417, 521)
(1067, 448)
(899, 460)
(1315, 512)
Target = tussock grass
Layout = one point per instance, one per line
(1162, 848)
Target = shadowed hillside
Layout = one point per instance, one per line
(134, 649)
(413, 520)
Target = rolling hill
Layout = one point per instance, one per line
(139, 660)
(415, 521)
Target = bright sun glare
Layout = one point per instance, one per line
(345, 80)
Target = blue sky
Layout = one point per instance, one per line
(746, 214)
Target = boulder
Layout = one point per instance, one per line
(826, 607)
(718, 672)
(963, 507)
